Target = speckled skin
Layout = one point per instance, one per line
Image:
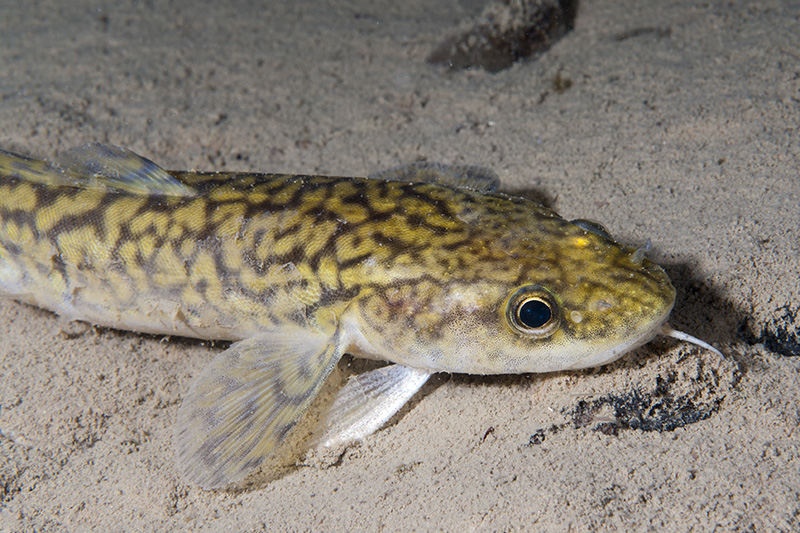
(419, 266)
(420, 274)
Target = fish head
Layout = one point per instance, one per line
(601, 301)
(527, 292)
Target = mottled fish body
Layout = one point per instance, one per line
(424, 266)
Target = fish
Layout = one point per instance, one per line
(425, 266)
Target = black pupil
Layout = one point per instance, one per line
(534, 314)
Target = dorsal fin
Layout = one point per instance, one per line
(461, 176)
(593, 227)
(32, 170)
(103, 165)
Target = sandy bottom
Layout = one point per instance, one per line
(670, 121)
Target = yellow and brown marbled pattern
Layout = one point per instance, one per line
(417, 273)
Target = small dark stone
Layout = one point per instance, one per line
(507, 31)
(782, 335)
(537, 438)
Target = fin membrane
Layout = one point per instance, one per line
(460, 176)
(367, 402)
(592, 227)
(33, 170)
(96, 166)
(120, 169)
(245, 403)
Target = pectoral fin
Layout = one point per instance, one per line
(368, 401)
(246, 401)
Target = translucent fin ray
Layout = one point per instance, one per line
(34, 170)
(99, 164)
(460, 176)
(367, 402)
(246, 401)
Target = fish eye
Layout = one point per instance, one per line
(533, 311)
